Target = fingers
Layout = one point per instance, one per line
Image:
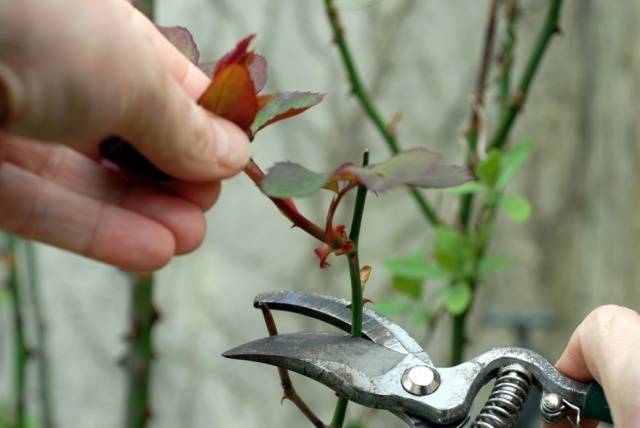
(123, 80)
(73, 172)
(605, 347)
(57, 216)
(80, 174)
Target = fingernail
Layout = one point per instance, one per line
(232, 144)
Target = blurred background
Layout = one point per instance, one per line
(578, 250)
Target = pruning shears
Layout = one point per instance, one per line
(387, 369)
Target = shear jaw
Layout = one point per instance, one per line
(370, 370)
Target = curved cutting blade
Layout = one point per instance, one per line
(360, 370)
(337, 312)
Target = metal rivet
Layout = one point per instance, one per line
(420, 380)
(552, 408)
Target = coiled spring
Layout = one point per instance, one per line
(506, 400)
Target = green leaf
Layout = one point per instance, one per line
(512, 161)
(356, 425)
(283, 105)
(516, 207)
(4, 296)
(290, 180)
(422, 316)
(491, 264)
(466, 188)
(182, 39)
(411, 287)
(414, 167)
(449, 248)
(392, 307)
(415, 266)
(488, 169)
(458, 297)
(443, 176)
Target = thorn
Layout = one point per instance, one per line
(155, 315)
(368, 301)
(122, 362)
(284, 397)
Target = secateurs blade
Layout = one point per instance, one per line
(387, 369)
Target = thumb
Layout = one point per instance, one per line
(114, 82)
(604, 347)
(180, 137)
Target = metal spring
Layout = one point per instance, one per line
(506, 400)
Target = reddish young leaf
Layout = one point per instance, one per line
(283, 105)
(182, 39)
(232, 95)
(236, 56)
(257, 66)
(255, 63)
(208, 67)
(323, 252)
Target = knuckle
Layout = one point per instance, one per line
(610, 319)
(199, 136)
(54, 164)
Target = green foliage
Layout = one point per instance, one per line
(491, 264)
(516, 207)
(393, 307)
(467, 188)
(458, 297)
(512, 161)
(290, 180)
(412, 287)
(283, 105)
(4, 295)
(450, 248)
(415, 167)
(487, 170)
(415, 266)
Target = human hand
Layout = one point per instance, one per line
(75, 72)
(606, 347)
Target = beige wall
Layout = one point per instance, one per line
(579, 249)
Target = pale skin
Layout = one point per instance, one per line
(606, 347)
(67, 81)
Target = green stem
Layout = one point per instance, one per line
(44, 368)
(20, 344)
(458, 341)
(340, 413)
(287, 207)
(507, 54)
(357, 302)
(500, 138)
(550, 28)
(138, 361)
(361, 94)
(478, 104)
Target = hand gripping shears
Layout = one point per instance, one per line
(387, 369)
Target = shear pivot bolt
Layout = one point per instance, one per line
(420, 380)
(552, 408)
